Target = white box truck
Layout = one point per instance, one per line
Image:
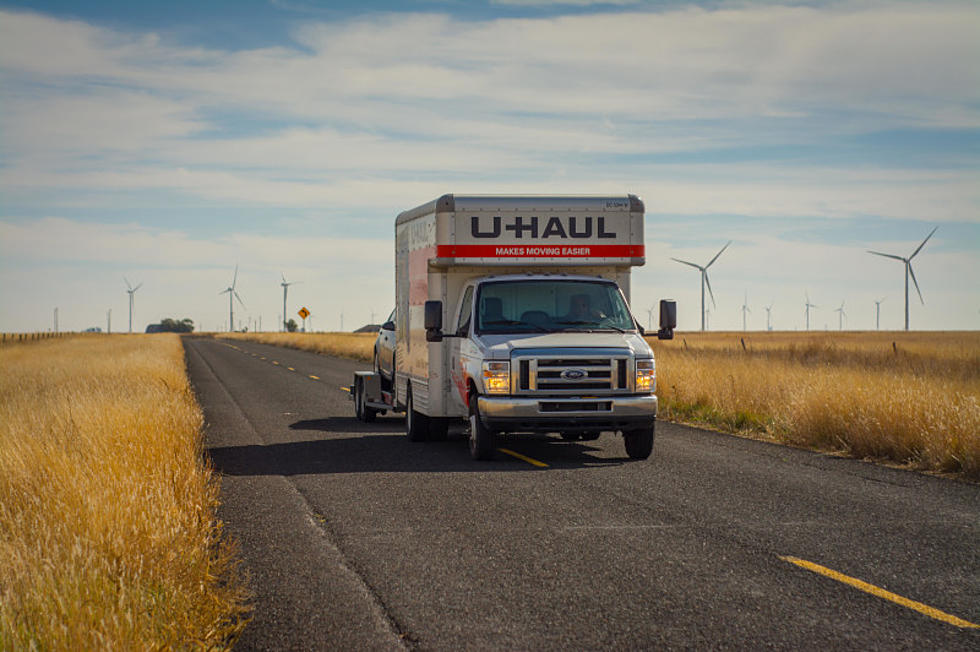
(513, 313)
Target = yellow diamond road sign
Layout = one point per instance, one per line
(304, 313)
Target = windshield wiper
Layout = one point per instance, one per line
(591, 324)
(512, 322)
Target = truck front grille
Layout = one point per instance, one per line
(567, 374)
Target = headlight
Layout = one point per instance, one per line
(496, 377)
(646, 375)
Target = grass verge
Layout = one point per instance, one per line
(356, 346)
(905, 398)
(108, 532)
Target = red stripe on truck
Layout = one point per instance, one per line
(540, 251)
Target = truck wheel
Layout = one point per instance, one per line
(416, 423)
(570, 436)
(481, 437)
(639, 442)
(363, 412)
(590, 436)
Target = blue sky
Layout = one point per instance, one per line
(169, 142)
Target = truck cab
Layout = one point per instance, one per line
(551, 353)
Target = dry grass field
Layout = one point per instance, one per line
(906, 398)
(108, 535)
(358, 346)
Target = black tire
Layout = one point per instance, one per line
(570, 436)
(639, 442)
(590, 436)
(363, 412)
(416, 423)
(482, 438)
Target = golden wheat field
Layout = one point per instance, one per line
(906, 398)
(358, 346)
(108, 534)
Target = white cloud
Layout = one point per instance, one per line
(372, 115)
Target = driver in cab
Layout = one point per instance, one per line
(580, 311)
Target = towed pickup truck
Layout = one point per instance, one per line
(512, 313)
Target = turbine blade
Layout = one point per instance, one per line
(283, 274)
(687, 263)
(919, 248)
(707, 282)
(137, 287)
(877, 253)
(239, 298)
(916, 283)
(127, 283)
(718, 254)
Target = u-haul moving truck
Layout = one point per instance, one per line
(513, 313)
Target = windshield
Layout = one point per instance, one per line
(551, 305)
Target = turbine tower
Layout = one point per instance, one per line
(841, 315)
(704, 279)
(908, 272)
(769, 317)
(745, 309)
(285, 288)
(230, 291)
(131, 291)
(878, 313)
(808, 306)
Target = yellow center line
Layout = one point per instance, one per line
(262, 358)
(925, 609)
(346, 389)
(274, 362)
(525, 458)
(314, 377)
(290, 368)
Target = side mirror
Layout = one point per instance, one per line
(388, 326)
(668, 319)
(433, 321)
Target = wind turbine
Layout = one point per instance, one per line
(769, 317)
(131, 291)
(878, 313)
(841, 315)
(704, 279)
(230, 291)
(808, 306)
(908, 272)
(285, 288)
(745, 309)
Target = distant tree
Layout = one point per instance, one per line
(291, 326)
(169, 325)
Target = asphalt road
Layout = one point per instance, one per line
(356, 538)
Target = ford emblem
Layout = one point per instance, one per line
(573, 374)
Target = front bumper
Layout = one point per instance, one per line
(564, 414)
